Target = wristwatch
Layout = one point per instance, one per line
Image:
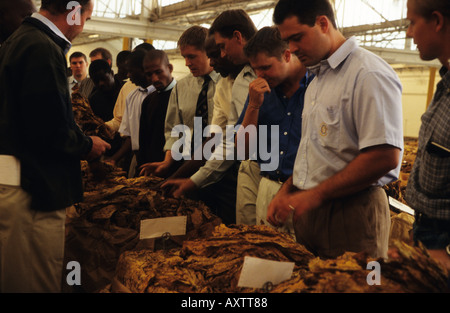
(447, 249)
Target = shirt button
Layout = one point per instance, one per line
(289, 113)
(281, 152)
(285, 133)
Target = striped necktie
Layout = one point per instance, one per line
(202, 108)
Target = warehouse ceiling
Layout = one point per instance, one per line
(165, 20)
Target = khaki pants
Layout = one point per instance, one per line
(247, 192)
(357, 223)
(31, 244)
(267, 190)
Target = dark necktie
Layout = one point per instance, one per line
(202, 108)
(202, 102)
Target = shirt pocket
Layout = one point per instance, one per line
(327, 124)
(434, 175)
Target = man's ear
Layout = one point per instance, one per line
(287, 55)
(439, 19)
(170, 66)
(323, 22)
(238, 36)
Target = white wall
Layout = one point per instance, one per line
(414, 96)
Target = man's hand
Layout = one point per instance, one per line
(297, 203)
(364, 170)
(160, 169)
(179, 187)
(99, 147)
(110, 161)
(256, 91)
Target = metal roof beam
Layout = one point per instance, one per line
(397, 56)
(133, 28)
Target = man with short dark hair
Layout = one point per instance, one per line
(79, 67)
(275, 98)
(121, 62)
(129, 126)
(87, 85)
(41, 146)
(101, 54)
(106, 89)
(158, 70)
(215, 181)
(232, 29)
(428, 189)
(352, 138)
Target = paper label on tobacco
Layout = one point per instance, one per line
(400, 206)
(257, 272)
(9, 170)
(156, 227)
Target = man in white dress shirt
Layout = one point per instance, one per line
(129, 126)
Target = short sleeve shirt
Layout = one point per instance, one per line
(354, 102)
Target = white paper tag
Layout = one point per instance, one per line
(156, 227)
(256, 272)
(401, 206)
(9, 170)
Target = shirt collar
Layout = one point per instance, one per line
(214, 77)
(148, 89)
(337, 57)
(170, 86)
(445, 74)
(248, 70)
(52, 26)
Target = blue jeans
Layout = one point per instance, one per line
(432, 234)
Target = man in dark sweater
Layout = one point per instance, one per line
(106, 89)
(151, 128)
(40, 147)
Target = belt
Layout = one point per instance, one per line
(424, 220)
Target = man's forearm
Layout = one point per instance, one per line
(362, 172)
(250, 118)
